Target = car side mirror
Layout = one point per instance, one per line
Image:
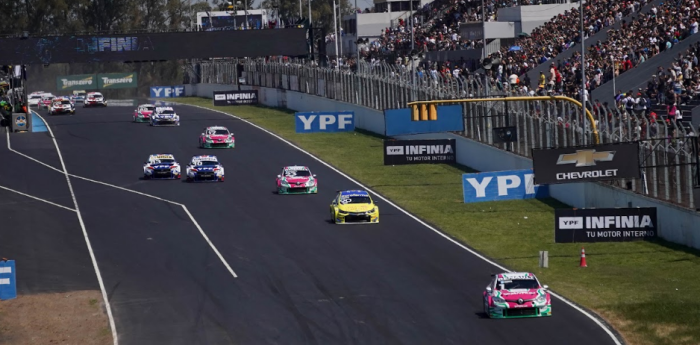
(488, 289)
(202, 133)
(279, 176)
(545, 287)
(314, 175)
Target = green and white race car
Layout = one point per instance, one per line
(516, 294)
(296, 179)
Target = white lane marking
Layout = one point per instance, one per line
(571, 304)
(187, 211)
(36, 198)
(112, 325)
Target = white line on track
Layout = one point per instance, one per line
(36, 198)
(187, 211)
(571, 304)
(112, 325)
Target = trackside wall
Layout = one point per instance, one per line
(676, 224)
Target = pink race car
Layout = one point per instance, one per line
(517, 294)
(297, 180)
(143, 112)
(217, 137)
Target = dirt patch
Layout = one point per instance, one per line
(76, 317)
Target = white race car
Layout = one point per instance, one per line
(94, 99)
(204, 168)
(61, 106)
(161, 166)
(165, 116)
(35, 98)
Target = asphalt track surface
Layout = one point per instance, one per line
(301, 279)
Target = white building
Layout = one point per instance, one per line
(370, 25)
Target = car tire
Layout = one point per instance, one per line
(332, 217)
(146, 177)
(486, 310)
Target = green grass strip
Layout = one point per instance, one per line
(646, 290)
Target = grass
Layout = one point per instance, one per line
(646, 290)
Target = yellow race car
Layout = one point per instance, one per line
(354, 206)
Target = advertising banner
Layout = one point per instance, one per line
(8, 280)
(604, 224)
(76, 82)
(502, 185)
(331, 121)
(399, 121)
(397, 152)
(117, 80)
(584, 164)
(235, 97)
(167, 91)
(152, 46)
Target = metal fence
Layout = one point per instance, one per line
(668, 152)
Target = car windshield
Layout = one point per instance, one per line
(80, 94)
(35, 97)
(344, 199)
(49, 98)
(517, 284)
(167, 112)
(95, 95)
(220, 132)
(297, 173)
(205, 163)
(164, 161)
(65, 102)
(148, 108)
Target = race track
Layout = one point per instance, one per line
(300, 279)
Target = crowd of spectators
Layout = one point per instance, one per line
(634, 43)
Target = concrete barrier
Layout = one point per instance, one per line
(676, 224)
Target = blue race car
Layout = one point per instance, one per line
(165, 116)
(205, 168)
(161, 166)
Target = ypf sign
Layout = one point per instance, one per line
(313, 122)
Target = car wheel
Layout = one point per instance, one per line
(146, 177)
(332, 217)
(486, 309)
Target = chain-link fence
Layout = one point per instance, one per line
(668, 151)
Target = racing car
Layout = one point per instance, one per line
(205, 168)
(161, 166)
(94, 99)
(78, 96)
(164, 116)
(61, 106)
(46, 100)
(297, 179)
(354, 206)
(143, 112)
(35, 98)
(515, 295)
(217, 137)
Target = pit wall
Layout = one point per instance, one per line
(675, 224)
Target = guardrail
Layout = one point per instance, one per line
(669, 151)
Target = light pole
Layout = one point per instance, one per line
(246, 14)
(612, 59)
(300, 15)
(583, 70)
(309, 11)
(335, 28)
(413, 43)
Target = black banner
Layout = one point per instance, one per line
(604, 224)
(235, 97)
(589, 163)
(397, 152)
(153, 46)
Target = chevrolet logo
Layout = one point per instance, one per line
(586, 158)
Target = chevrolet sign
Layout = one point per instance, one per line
(594, 163)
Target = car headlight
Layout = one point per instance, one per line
(498, 300)
(310, 183)
(541, 299)
(285, 183)
(372, 210)
(228, 140)
(210, 141)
